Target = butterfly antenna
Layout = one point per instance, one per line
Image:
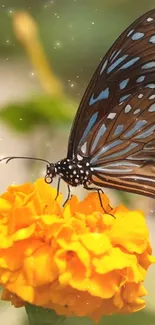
(16, 157)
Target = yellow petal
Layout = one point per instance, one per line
(76, 256)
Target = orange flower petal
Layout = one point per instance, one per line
(76, 260)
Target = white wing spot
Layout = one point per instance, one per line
(130, 32)
(152, 97)
(79, 157)
(149, 19)
(104, 66)
(152, 108)
(111, 116)
(84, 147)
(140, 96)
(128, 108)
(152, 86)
(136, 111)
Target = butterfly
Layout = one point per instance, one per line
(112, 140)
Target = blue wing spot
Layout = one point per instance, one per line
(129, 63)
(127, 108)
(152, 39)
(140, 79)
(151, 108)
(131, 31)
(124, 151)
(136, 111)
(149, 65)
(118, 130)
(137, 36)
(103, 95)
(146, 133)
(116, 63)
(90, 125)
(149, 19)
(100, 133)
(150, 86)
(123, 83)
(110, 167)
(112, 170)
(137, 126)
(104, 66)
(123, 98)
(104, 149)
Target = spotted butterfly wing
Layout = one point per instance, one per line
(127, 66)
(122, 146)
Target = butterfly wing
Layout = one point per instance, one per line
(128, 65)
(122, 146)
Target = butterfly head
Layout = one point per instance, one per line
(51, 172)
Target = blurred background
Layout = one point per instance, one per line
(48, 53)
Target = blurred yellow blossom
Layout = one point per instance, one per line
(27, 33)
(76, 260)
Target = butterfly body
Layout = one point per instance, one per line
(73, 172)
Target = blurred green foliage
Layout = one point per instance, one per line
(40, 111)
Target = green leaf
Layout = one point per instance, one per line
(42, 316)
(49, 111)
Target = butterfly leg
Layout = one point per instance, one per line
(68, 196)
(99, 192)
(58, 188)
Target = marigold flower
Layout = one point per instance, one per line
(76, 260)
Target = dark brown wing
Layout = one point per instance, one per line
(128, 65)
